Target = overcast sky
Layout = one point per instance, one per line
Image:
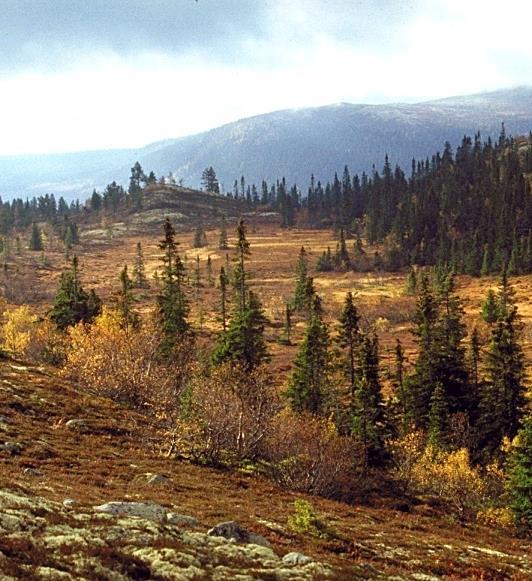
(92, 74)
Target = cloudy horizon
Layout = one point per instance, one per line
(78, 75)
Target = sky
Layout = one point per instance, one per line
(99, 74)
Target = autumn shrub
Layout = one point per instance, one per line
(47, 345)
(18, 330)
(449, 476)
(306, 454)
(226, 415)
(406, 453)
(120, 364)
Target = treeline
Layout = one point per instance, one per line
(445, 428)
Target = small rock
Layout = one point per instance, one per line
(296, 559)
(156, 479)
(13, 448)
(4, 420)
(69, 502)
(31, 472)
(147, 510)
(232, 530)
(78, 425)
(181, 520)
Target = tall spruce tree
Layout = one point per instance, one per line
(503, 399)
(519, 484)
(224, 283)
(309, 383)
(35, 238)
(139, 270)
(124, 301)
(349, 338)
(172, 305)
(223, 241)
(368, 420)
(299, 301)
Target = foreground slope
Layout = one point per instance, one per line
(109, 454)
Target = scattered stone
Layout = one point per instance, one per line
(77, 425)
(69, 502)
(232, 530)
(296, 559)
(181, 520)
(31, 472)
(156, 478)
(147, 510)
(13, 448)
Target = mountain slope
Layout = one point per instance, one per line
(290, 143)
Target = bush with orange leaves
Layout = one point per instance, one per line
(305, 453)
(225, 416)
(124, 365)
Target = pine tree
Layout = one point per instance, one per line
(139, 270)
(349, 337)
(243, 342)
(209, 180)
(200, 238)
(224, 283)
(172, 306)
(299, 299)
(368, 421)
(490, 308)
(308, 386)
(240, 274)
(36, 238)
(438, 417)
(503, 400)
(71, 303)
(223, 242)
(411, 282)
(210, 280)
(519, 484)
(124, 301)
(287, 334)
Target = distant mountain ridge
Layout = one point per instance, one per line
(292, 143)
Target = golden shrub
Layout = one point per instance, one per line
(496, 517)
(449, 476)
(18, 329)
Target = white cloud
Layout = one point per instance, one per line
(105, 100)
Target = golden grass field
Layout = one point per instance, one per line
(379, 295)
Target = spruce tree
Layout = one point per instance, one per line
(223, 241)
(308, 385)
(71, 303)
(172, 305)
(139, 270)
(349, 338)
(35, 238)
(210, 280)
(503, 400)
(368, 420)
(490, 308)
(224, 283)
(243, 342)
(200, 238)
(438, 417)
(299, 300)
(124, 301)
(519, 483)
(240, 274)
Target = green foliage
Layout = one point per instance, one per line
(209, 180)
(299, 299)
(172, 305)
(36, 238)
(305, 520)
(349, 338)
(139, 270)
(243, 342)
(308, 386)
(519, 484)
(71, 303)
(490, 308)
(124, 300)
